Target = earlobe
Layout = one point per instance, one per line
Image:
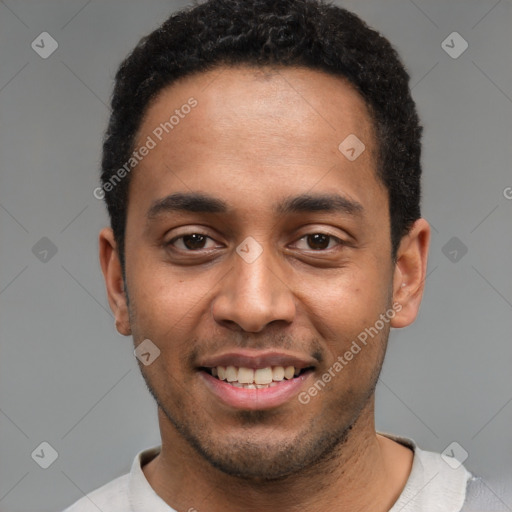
(410, 273)
(112, 273)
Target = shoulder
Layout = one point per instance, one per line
(479, 496)
(111, 497)
(117, 495)
(436, 483)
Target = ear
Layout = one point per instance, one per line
(410, 273)
(112, 273)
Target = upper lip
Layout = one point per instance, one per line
(257, 359)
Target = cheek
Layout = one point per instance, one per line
(162, 292)
(352, 301)
(346, 313)
(160, 305)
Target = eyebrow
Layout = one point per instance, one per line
(202, 203)
(319, 203)
(187, 202)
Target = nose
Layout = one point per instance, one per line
(253, 295)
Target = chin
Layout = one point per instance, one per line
(263, 457)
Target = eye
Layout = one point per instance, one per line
(190, 242)
(320, 241)
(194, 242)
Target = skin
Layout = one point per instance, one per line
(257, 136)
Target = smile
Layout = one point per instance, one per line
(254, 378)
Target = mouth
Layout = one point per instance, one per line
(255, 378)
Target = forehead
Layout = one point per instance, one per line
(261, 129)
(268, 96)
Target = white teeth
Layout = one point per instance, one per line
(259, 378)
(246, 375)
(278, 373)
(289, 372)
(231, 374)
(262, 376)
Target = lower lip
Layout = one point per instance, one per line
(255, 399)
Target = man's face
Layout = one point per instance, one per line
(253, 143)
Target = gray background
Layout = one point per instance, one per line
(67, 377)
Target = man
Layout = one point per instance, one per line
(262, 172)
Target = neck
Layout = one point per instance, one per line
(367, 472)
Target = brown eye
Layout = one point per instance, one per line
(194, 241)
(318, 241)
(190, 242)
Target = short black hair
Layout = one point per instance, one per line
(306, 33)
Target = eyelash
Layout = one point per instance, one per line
(331, 237)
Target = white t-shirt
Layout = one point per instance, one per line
(433, 486)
